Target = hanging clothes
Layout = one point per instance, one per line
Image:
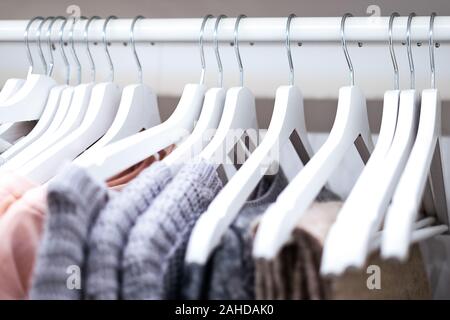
(111, 231)
(161, 233)
(295, 272)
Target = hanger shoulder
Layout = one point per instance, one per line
(211, 226)
(204, 129)
(407, 197)
(334, 261)
(280, 219)
(100, 113)
(41, 126)
(78, 103)
(28, 102)
(238, 115)
(138, 109)
(110, 160)
(288, 115)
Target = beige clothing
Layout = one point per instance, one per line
(294, 274)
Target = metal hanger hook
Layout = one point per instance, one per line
(41, 52)
(216, 48)
(111, 66)
(236, 47)
(133, 43)
(49, 43)
(391, 50)
(288, 48)
(74, 53)
(88, 50)
(344, 47)
(202, 51)
(64, 56)
(431, 49)
(409, 50)
(27, 43)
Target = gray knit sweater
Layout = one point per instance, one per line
(164, 227)
(229, 273)
(111, 231)
(74, 200)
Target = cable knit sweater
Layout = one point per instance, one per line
(164, 227)
(74, 201)
(111, 231)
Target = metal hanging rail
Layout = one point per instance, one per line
(362, 29)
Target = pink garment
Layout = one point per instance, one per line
(20, 230)
(12, 187)
(23, 206)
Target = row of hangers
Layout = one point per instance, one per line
(107, 129)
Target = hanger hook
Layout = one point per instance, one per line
(236, 47)
(41, 52)
(49, 44)
(133, 43)
(391, 50)
(288, 48)
(216, 49)
(431, 48)
(409, 50)
(27, 43)
(38, 39)
(344, 47)
(74, 53)
(202, 51)
(89, 53)
(63, 52)
(111, 66)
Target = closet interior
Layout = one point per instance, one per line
(225, 157)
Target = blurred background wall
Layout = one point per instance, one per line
(19, 9)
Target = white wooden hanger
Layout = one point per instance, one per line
(53, 101)
(13, 131)
(351, 123)
(120, 155)
(288, 116)
(348, 242)
(210, 115)
(138, 108)
(9, 89)
(29, 101)
(238, 116)
(60, 114)
(72, 108)
(101, 110)
(405, 204)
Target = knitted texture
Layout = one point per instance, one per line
(232, 267)
(163, 227)
(74, 200)
(111, 231)
(229, 273)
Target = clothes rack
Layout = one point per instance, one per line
(327, 29)
(162, 40)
